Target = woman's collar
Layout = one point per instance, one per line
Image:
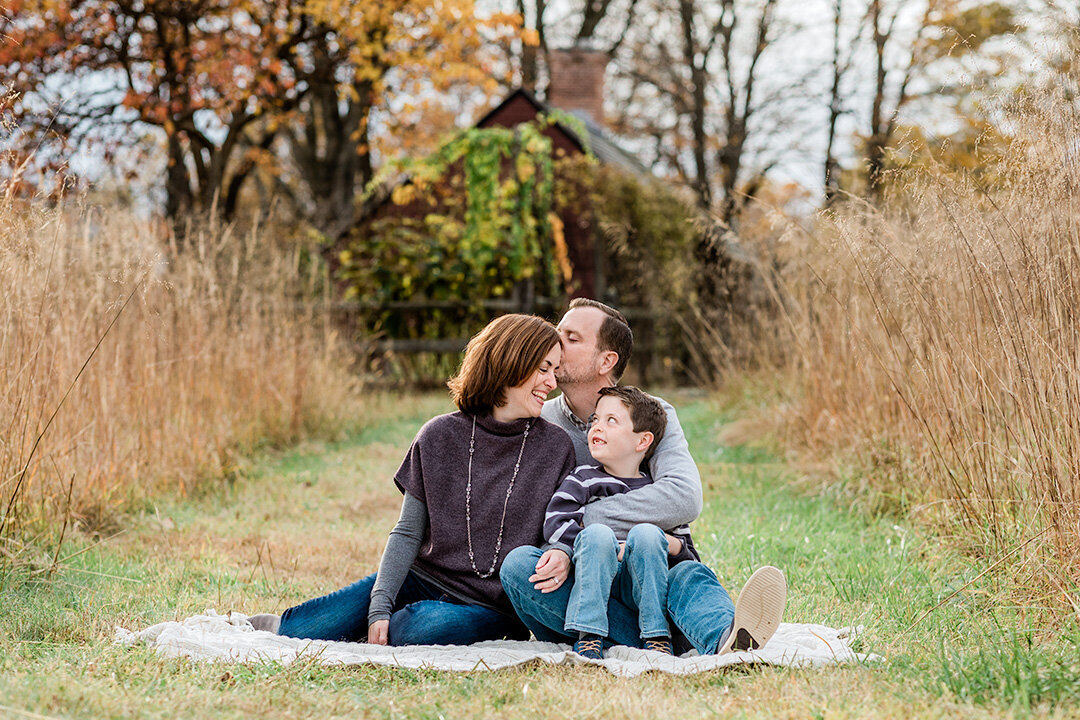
(514, 427)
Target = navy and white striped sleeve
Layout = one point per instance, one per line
(562, 522)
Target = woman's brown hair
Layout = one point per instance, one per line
(502, 355)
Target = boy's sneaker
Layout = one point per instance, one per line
(659, 644)
(758, 611)
(590, 647)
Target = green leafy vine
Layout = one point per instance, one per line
(468, 222)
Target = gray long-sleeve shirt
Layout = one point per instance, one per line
(402, 547)
(674, 497)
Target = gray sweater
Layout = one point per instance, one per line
(588, 483)
(673, 498)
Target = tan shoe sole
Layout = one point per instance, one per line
(757, 611)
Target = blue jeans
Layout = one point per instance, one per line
(545, 613)
(697, 604)
(639, 582)
(423, 615)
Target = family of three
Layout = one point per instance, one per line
(565, 519)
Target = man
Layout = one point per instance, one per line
(597, 343)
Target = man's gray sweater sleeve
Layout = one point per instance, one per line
(402, 547)
(673, 498)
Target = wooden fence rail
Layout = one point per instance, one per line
(651, 331)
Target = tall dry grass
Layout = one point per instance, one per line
(935, 347)
(189, 357)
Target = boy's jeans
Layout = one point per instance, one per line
(697, 604)
(423, 615)
(639, 581)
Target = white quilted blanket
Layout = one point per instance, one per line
(230, 638)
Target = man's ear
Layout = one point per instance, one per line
(608, 360)
(644, 441)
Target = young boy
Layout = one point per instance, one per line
(626, 427)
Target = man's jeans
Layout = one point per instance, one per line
(423, 615)
(639, 581)
(697, 604)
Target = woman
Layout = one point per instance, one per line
(476, 483)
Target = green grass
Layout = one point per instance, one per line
(293, 524)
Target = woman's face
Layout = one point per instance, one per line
(527, 399)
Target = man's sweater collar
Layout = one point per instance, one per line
(564, 408)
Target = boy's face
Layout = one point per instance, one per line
(611, 435)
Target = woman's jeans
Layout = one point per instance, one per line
(639, 581)
(423, 615)
(697, 604)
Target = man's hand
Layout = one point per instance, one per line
(674, 545)
(378, 632)
(551, 571)
(622, 547)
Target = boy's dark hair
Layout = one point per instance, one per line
(615, 333)
(646, 412)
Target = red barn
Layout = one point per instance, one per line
(576, 88)
(583, 242)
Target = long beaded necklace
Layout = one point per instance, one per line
(468, 498)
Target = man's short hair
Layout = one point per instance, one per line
(615, 334)
(503, 355)
(646, 412)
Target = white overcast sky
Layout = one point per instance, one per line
(799, 144)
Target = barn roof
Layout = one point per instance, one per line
(597, 141)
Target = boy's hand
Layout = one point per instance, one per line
(378, 632)
(674, 545)
(622, 546)
(551, 571)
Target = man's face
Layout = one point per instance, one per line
(579, 330)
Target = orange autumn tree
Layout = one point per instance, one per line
(401, 58)
(229, 85)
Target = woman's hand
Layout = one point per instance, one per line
(674, 545)
(378, 632)
(551, 571)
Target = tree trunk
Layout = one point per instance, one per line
(876, 142)
(332, 156)
(832, 182)
(698, 107)
(179, 198)
(594, 12)
(530, 55)
(730, 157)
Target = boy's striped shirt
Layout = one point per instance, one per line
(584, 484)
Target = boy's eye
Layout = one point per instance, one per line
(591, 420)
